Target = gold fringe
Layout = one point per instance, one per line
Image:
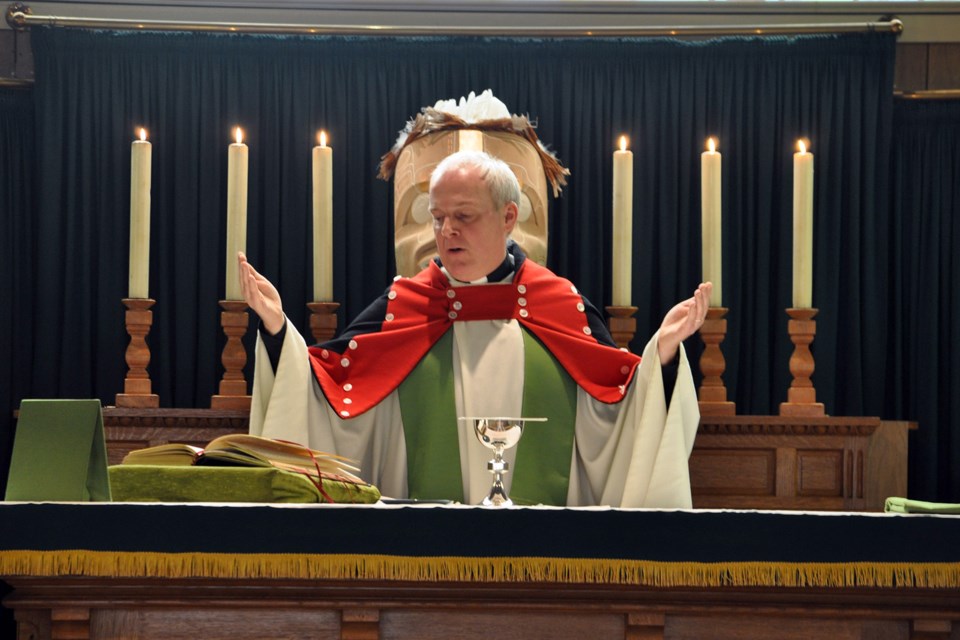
(462, 569)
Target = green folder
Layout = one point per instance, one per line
(59, 453)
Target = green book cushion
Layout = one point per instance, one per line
(143, 483)
(904, 505)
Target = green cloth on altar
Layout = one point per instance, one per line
(154, 483)
(59, 452)
(905, 505)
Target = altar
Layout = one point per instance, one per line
(739, 462)
(127, 570)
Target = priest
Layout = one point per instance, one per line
(482, 331)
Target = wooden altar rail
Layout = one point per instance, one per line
(92, 608)
(738, 462)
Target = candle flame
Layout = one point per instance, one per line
(801, 146)
(711, 145)
(239, 134)
(143, 133)
(322, 138)
(623, 143)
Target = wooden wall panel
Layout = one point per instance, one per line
(910, 73)
(944, 66)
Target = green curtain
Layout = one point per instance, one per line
(758, 95)
(17, 284)
(926, 304)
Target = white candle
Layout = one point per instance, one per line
(140, 169)
(802, 228)
(322, 220)
(237, 163)
(622, 224)
(711, 212)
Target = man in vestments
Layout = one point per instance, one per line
(482, 331)
(476, 326)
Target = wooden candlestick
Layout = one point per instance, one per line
(323, 320)
(713, 393)
(622, 325)
(233, 387)
(137, 391)
(801, 396)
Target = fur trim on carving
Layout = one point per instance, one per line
(430, 120)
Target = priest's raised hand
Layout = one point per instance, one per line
(261, 296)
(682, 321)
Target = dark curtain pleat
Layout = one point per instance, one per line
(18, 289)
(926, 184)
(758, 95)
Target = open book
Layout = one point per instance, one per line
(243, 450)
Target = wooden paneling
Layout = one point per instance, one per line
(829, 463)
(727, 471)
(910, 73)
(7, 69)
(152, 609)
(944, 69)
(820, 472)
(505, 624)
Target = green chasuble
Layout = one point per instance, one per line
(541, 473)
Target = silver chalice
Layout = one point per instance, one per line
(499, 434)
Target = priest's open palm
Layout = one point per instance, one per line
(682, 321)
(261, 296)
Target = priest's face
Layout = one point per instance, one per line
(471, 231)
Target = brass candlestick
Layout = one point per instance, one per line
(137, 389)
(713, 393)
(323, 320)
(622, 325)
(233, 386)
(801, 396)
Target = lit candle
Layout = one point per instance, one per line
(322, 220)
(802, 227)
(237, 163)
(622, 224)
(711, 212)
(140, 161)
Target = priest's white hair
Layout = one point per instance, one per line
(496, 174)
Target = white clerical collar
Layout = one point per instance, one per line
(503, 274)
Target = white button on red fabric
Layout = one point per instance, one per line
(395, 278)
(458, 305)
(344, 362)
(521, 289)
(624, 369)
(622, 389)
(452, 315)
(347, 401)
(451, 293)
(580, 307)
(573, 288)
(587, 331)
(392, 295)
(348, 387)
(522, 302)
(324, 353)
(345, 414)
(524, 313)
(352, 344)
(389, 317)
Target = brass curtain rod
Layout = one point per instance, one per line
(928, 94)
(20, 17)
